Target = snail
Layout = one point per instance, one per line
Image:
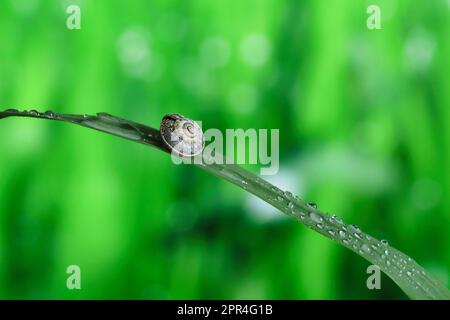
(181, 135)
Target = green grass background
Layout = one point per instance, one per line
(364, 119)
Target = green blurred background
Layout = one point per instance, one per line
(364, 119)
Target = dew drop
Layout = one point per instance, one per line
(408, 273)
(312, 205)
(365, 248)
(331, 232)
(315, 217)
(337, 219)
(384, 242)
(319, 225)
(33, 112)
(288, 194)
(342, 233)
(11, 110)
(49, 114)
(291, 205)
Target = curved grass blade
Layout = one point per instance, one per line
(102, 122)
(415, 281)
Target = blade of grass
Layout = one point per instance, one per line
(415, 281)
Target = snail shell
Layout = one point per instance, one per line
(183, 136)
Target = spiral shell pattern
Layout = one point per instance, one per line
(182, 135)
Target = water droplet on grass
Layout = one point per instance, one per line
(288, 194)
(49, 114)
(337, 219)
(312, 205)
(365, 248)
(315, 217)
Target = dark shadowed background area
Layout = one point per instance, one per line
(364, 119)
